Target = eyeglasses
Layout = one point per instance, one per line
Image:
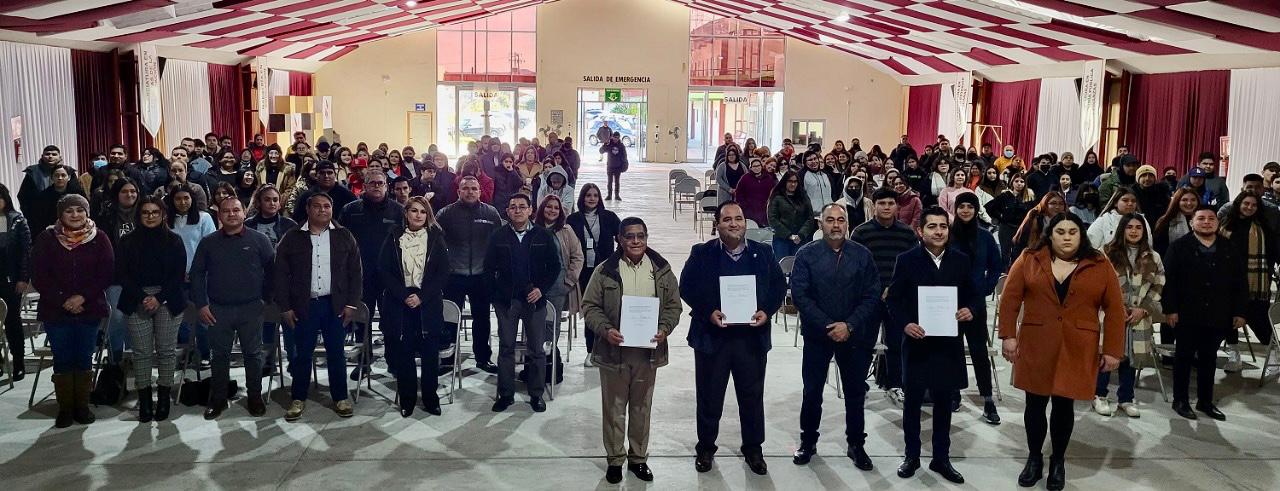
(151, 213)
(634, 237)
(518, 207)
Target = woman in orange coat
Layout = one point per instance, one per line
(1059, 287)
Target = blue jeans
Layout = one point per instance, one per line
(1127, 380)
(73, 344)
(271, 333)
(783, 247)
(117, 329)
(320, 321)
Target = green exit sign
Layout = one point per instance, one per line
(613, 95)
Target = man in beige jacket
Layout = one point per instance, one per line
(627, 374)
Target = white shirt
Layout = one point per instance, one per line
(937, 260)
(321, 271)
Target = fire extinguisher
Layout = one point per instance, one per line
(17, 150)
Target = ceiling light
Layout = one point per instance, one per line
(825, 39)
(843, 18)
(411, 3)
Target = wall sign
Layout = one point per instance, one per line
(613, 95)
(420, 106)
(624, 79)
(149, 87)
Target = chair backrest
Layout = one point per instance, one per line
(1273, 313)
(708, 203)
(752, 224)
(1000, 284)
(676, 174)
(553, 315)
(710, 174)
(788, 264)
(452, 314)
(362, 314)
(762, 235)
(687, 186)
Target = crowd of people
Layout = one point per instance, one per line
(271, 249)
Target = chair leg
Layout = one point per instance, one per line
(35, 382)
(995, 381)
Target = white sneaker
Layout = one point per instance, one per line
(1130, 409)
(1233, 359)
(1102, 406)
(586, 362)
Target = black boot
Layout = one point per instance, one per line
(65, 392)
(145, 403)
(84, 386)
(1032, 471)
(162, 403)
(19, 367)
(1057, 474)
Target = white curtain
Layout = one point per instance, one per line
(184, 101)
(278, 85)
(36, 85)
(946, 113)
(1058, 119)
(1253, 122)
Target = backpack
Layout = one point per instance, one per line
(553, 359)
(110, 388)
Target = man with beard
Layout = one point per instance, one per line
(39, 176)
(1153, 194)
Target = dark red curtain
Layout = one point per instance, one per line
(922, 115)
(97, 117)
(225, 104)
(299, 83)
(1175, 116)
(1013, 106)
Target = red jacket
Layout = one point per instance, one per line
(59, 274)
(486, 186)
(752, 194)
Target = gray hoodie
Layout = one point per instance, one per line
(565, 193)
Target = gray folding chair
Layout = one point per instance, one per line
(5, 359)
(751, 224)
(685, 193)
(672, 178)
(1271, 361)
(707, 204)
(452, 315)
(360, 349)
(271, 313)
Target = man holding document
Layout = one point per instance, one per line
(632, 303)
(931, 294)
(837, 291)
(733, 287)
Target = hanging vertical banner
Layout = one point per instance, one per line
(264, 90)
(326, 112)
(955, 103)
(1095, 75)
(149, 87)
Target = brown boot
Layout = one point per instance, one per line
(83, 386)
(65, 392)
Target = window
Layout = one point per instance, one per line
(729, 52)
(501, 48)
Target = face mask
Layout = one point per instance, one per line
(98, 164)
(1008, 154)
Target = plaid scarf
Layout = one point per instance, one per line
(1256, 270)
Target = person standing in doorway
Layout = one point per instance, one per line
(617, 165)
(603, 134)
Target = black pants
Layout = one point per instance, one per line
(1196, 345)
(911, 423)
(614, 188)
(1255, 315)
(742, 357)
(1059, 424)
(13, 322)
(405, 342)
(583, 279)
(853, 364)
(975, 335)
(478, 290)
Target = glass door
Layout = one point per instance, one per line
(696, 132)
(628, 117)
(468, 113)
(744, 114)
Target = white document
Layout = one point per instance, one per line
(639, 321)
(937, 306)
(738, 298)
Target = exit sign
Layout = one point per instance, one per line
(613, 95)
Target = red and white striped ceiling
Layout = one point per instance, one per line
(315, 30)
(923, 37)
(905, 37)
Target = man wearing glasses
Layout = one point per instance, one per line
(522, 261)
(370, 219)
(327, 183)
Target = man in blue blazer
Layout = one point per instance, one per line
(836, 287)
(721, 349)
(931, 363)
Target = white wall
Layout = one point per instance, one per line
(855, 99)
(375, 87)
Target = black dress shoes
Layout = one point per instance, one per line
(989, 414)
(406, 411)
(257, 407)
(908, 467)
(804, 454)
(755, 461)
(1031, 472)
(487, 367)
(503, 403)
(1211, 411)
(538, 405)
(1183, 408)
(860, 458)
(1057, 474)
(613, 474)
(641, 471)
(431, 404)
(702, 463)
(943, 468)
(212, 412)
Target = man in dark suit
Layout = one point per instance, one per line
(721, 349)
(933, 363)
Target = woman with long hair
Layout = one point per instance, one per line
(1141, 274)
(1247, 231)
(955, 186)
(220, 192)
(72, 263)
(151, 268)
(413, 266)
(507, 181)
(1067, 187)
(596, 229)
(15, 245)
(753, 192)
(1008, 210)
(226, 167)
(939, 179)
(790, 216)
(973, 237)
(728, 173)
(43, 209)
(565, 295)
(1122, 203)
(246, 186)
(266, 216)
(191, 223)
(909, 206)
(1176, 220)
(1086, 206)
(275, 171)
(1032, 228)
(1090, 169)
(1059, 289)
(118, 217)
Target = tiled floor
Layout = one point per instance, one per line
(471, 448)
